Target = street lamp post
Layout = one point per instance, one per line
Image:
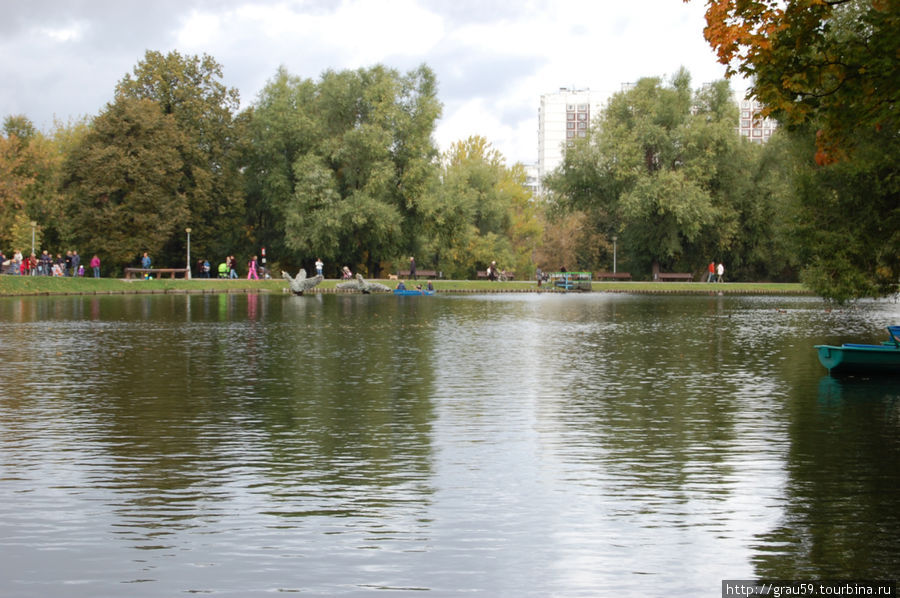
(33, 224)
(614, 253)
(187, 273)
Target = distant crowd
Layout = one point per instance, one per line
(229, 269)
(47, 265)
(70, 264)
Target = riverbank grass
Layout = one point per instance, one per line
(44, 285)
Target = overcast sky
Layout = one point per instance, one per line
(493, 58)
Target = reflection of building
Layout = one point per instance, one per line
(563, 117)
(752, 126)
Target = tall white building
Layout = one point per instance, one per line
(532, 180)
(563, 117)
(752, 126)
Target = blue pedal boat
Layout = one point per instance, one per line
(412, 292)
(858, 358)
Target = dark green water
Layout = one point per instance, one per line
(502, 445)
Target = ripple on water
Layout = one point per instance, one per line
(524, 445)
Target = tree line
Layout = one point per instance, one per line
(345, 168)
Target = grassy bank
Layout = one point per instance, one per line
(41, 285)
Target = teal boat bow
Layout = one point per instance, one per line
(860, 358)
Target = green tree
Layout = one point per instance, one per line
(662, 172)
(49, 203)
(337, 168)
(846, 216)
(480, 212)
(828, 70)
(20, 127)
(281, 127)
(189, 88)
(124, 182)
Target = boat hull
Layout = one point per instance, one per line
(412, 292)
(860, 358)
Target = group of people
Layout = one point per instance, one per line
(716, 273)
(401, 286)
(47, 265)
(227, 269)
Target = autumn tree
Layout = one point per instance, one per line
(189, 89)
(573, 240)
(15, 177)
(124, 182)
(830, 63)
(28, 164)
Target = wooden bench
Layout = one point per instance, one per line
(419, 273)
(509, 274)
(685, 276)
(140, 272)
(613, 275)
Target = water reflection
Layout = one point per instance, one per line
(502, 445)
(840, 518)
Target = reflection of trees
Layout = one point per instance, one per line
(348, 413)
(656, 393)
(841, 519)
(191, 404)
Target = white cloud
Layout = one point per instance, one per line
(371, 31)
(70, 33)
(469, 119)
(200, 30)
(356, 33)
(493, 58)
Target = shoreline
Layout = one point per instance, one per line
(15, 286)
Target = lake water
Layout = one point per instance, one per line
(473, 445)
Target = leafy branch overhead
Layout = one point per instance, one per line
(832, 63)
